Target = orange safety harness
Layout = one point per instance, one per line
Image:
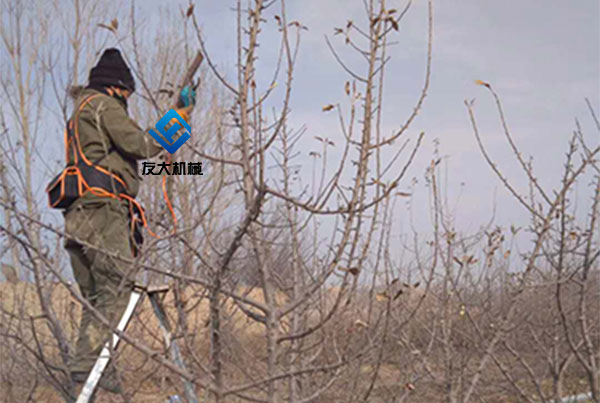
(85, 176)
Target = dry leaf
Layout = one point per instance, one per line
(352, 270)
(106, 26)
(394, 24)
(507, 254)
(400, 292)
(403, 194)
(347, 87)
(409, 386)
(479, 82)
(114, 24)
(418, 283)
(377, 182)
(450, 237)
(381, 296)
(360, 323)
(327, 108)
(189, 11)
(457, 260)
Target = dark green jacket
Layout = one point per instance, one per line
(104, 124)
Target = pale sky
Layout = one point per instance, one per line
(541, 56)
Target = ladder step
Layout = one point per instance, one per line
(157, 289)
(153, 289)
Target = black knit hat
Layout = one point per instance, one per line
(111, 70)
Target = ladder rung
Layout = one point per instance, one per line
(158, 288)
(153, 289)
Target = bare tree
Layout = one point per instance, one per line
(284, 289)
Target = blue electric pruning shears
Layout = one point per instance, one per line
(187, 96)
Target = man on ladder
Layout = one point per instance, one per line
(103, 132)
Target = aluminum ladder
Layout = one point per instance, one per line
(103, 359)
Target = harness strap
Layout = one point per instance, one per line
(73, 140)
(135, 208)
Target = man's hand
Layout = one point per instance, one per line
(186, 102)
(184, 113)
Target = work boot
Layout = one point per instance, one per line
(108, 381)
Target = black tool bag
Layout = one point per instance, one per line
(65, 188)
(74, 180)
